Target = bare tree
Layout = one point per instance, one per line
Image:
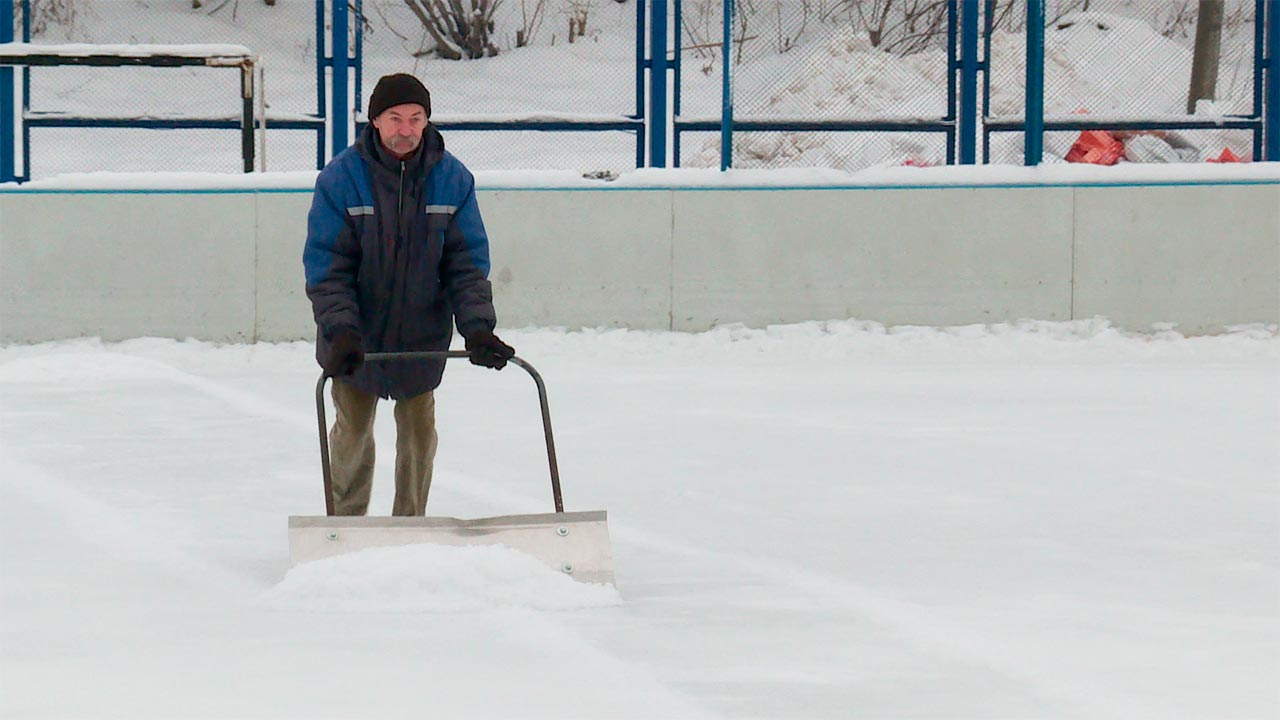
(872, 16)
(1208, 51)
(743, 11)
(902, 27)
(50, 13)
(1173, 19)
(787, 38)
(458, 31)
(1011, 15)
(578, 11)
(923, 24)
(696, 23)
(530, 21)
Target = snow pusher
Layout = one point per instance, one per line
(574, 543)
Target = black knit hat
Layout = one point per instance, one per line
(398, 89)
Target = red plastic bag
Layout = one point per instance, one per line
(1226, 157)
(1096, 146)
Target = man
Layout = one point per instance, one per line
(396, 254)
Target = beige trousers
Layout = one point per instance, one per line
(351, 450)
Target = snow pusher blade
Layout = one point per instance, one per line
(574, 543)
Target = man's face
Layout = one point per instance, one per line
(400, 128)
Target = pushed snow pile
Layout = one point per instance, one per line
(85, 363)
(433, 578)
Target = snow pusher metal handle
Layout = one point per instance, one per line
(435, 355)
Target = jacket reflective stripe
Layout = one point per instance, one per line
(360, 210)
(450, 209)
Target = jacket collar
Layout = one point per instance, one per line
(429, 151)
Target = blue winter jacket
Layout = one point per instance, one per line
(396, 251)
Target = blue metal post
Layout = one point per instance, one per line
(988, 27)
(8, 136)
(640, 64)
(726, 110)
(640, 140)
(26, 94)
(968, 82)
(676, 62)
(676, 82)
(358, 60)
(1273, 82)
(321, 102)
(1033, 133)
(658, 120)
(338, 47)
(953, 67)
(1259, 63)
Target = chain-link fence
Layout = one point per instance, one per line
(566, 67)
(93, 113)
(1167, 84)
(562, 84)
(1145, 69)
(845, 68)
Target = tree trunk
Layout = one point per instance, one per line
(1204, 64)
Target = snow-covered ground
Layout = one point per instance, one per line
(826, 520)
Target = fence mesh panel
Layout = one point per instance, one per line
(818, 60)
(555, 59)
(1124, 60)
(184, 92)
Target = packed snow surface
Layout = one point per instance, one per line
(823, 520)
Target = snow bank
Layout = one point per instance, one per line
(863, 343)
(1124, 173)
(858, 342)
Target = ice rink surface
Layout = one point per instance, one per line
(825, 520)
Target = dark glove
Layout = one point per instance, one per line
(345, 354)
(487, 350)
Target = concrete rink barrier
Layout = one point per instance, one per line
(222, 261)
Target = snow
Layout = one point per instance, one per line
(944, 176)
(133, 115)
(1109, 82)
(433, 579)
(192, 50)
(822, 520)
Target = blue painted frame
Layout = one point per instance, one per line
(658, 81)
(340, 61)
(1033, 138)
(1272, 63)
(969, 67)
(8, 168)
(726, 92)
